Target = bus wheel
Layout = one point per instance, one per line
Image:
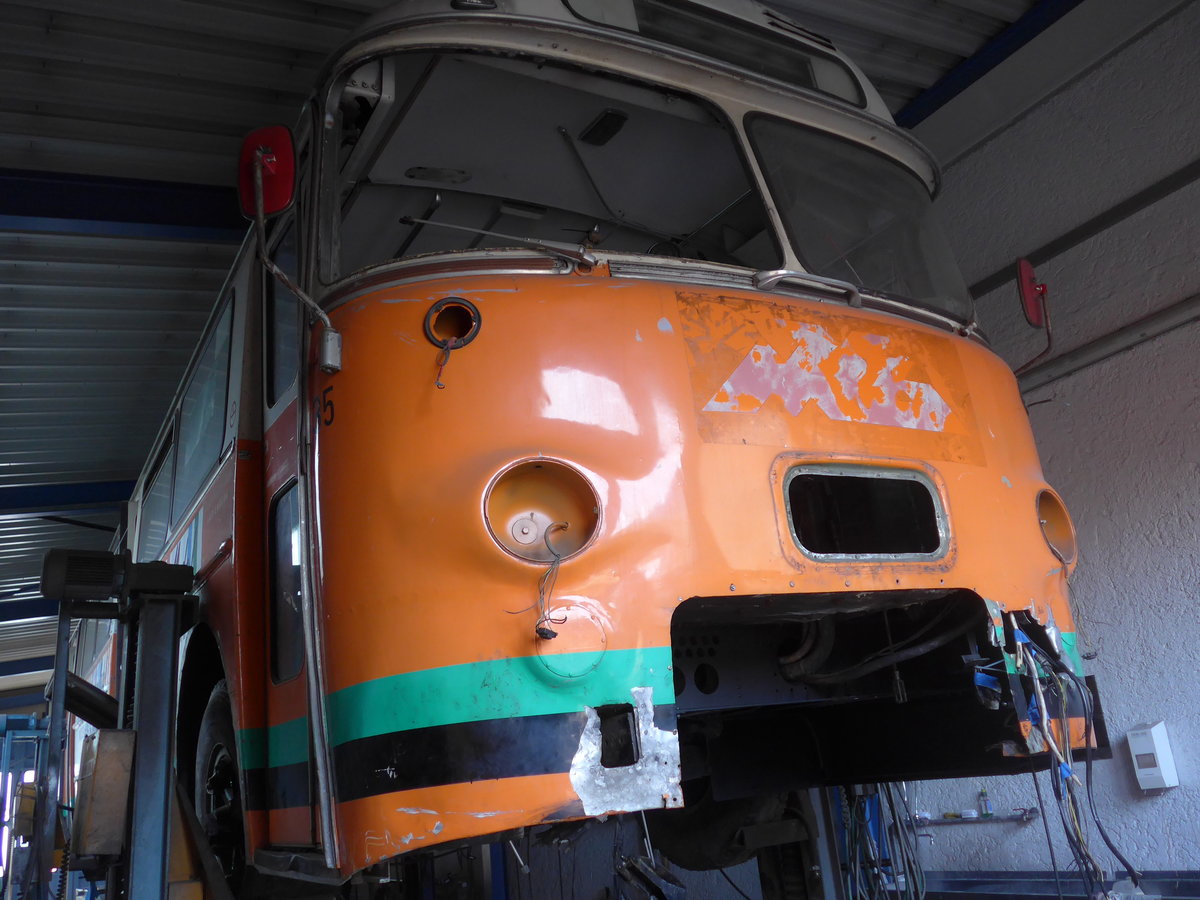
(218, 794)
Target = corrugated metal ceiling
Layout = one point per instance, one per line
(119, 124)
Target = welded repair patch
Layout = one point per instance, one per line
(651, 782)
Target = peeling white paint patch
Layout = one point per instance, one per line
(652, 782)
(836, 380)
(637, 335)
(438, 828)
(664, 325)
(417, 811)
(1004, 480)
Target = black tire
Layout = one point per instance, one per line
(218, 793)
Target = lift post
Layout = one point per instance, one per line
(151, 600)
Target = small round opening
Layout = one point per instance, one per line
(1057, 527)
(706, 678)
(452, 320)
(539, 509)
(680, 681)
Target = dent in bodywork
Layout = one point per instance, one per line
(650, 782)
(837, 379)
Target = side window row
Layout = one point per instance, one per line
(195, 446)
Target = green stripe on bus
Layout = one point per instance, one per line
(494, 689)
(1070, 645)
(471, 692)
(287, 743)
(254, 747)
(278, 745)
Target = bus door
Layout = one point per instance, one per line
(291, 787)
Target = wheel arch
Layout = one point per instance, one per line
(200, 671)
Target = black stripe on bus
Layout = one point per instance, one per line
(280, 787)
(451, 754)
(431, 757)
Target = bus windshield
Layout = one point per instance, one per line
(855, 215)
(442, 151)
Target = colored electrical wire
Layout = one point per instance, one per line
(1085, 699)
(1037, 787)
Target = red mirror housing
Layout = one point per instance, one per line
(278, 170)
(1033, 294)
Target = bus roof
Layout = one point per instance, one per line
(743, 34)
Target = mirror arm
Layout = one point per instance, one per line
(329, 354)
(1041, 292)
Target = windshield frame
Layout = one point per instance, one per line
(332, 180)
(734, 95)
(965, 312)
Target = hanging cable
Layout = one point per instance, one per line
(1085, 698)
(1037, 787)
(545, 589)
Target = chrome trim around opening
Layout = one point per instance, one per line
(868, 471)
(522, 261)
(502, 262)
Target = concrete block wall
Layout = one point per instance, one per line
(1120, 440)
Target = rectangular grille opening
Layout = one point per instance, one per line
(618, 736)
(845, 514)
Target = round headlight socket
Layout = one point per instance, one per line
(538, 509)
(1057, 527)
(452, 322)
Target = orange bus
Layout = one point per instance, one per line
(598, 423)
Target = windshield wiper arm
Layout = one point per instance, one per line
(766, 279)
(571, 252)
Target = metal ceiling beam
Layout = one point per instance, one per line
(970, 70)
(52, 195)
(15, 610)
(24, 666)
(311, 27)
(155, 52)
(94, 298)
(64, 496)
(1002, 10)
(958, 33)
(74, 143)
(21, 701)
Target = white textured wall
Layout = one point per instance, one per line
(1120, 440)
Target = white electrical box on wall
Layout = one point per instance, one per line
(1150, 751)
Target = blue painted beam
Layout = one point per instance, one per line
(65, 496)
(12, 610)
(22, 666)
(16, 701)
(46, 225)
(55, 195)
(971, 69)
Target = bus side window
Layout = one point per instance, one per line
(156, 509)
(287, 624)
(283, 320)
(202, 415)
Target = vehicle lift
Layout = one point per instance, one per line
(156, 848)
